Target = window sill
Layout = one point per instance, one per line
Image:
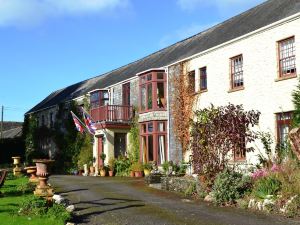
(199, 92)
(236, 89)
(286, 77)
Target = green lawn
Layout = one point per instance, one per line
(12, 198)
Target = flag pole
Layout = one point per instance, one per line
(104, 130)
(79, 120)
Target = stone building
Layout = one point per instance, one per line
(250, 59)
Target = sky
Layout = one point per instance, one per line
(46, 45)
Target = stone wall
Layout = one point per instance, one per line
(134, 92)
(175, 149)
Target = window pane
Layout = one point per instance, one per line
(161, 149)
(150, 127)
(237, 72)
(287, 58)
(161, 102)
(161, 127)
(149, 77)
(143, 97)
(144, 149)
(283, 133)
(160, 76)
(203, 79)
(149, 96)
(150, 148)
(144, 130)
(104, 98)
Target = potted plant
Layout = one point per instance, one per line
(102, 171)
(147, 169)
(111, 166)
(137, 167)
(92, 169)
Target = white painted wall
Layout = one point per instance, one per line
(261, 91)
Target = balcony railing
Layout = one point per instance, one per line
(112, 113)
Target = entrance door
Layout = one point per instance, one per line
(120, 144)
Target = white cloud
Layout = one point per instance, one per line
(183, 33)
(32, 12)
(220, 5)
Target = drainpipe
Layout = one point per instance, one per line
(168, 110)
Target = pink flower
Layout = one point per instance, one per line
(275, 168)
(259, 174)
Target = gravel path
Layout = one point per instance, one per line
(126, 201)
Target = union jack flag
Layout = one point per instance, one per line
(90, 124)
(77, 123)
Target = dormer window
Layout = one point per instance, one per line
(99, 98)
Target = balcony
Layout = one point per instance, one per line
(112, 113)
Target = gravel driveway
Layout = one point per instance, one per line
(114, 201)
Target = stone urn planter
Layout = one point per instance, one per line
(43, 189)
(31, 170)
(92, 171)
(17, 161)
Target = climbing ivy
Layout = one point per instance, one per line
(134, 139)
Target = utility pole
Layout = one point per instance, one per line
(1, 127)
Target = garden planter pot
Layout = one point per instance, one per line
(111, 173)
(43, 189)
(146, 172)
(102, 173)
(131, 173)
(17, 161)
(138, 174)
(31, 170)
(92, 171)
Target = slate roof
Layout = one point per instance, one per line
(251, 20)
(12, 133)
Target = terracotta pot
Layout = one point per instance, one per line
(111, 173)
(138, 174)
(146, 172)
(102, 173)
(131, 173)
(43, 189)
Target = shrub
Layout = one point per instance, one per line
(216, 133)
(58, 212)
(289, 176)
(230, 186)
(266, 186)
(122, 166)
(136, 167)
(35, 206)
(147, 166)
